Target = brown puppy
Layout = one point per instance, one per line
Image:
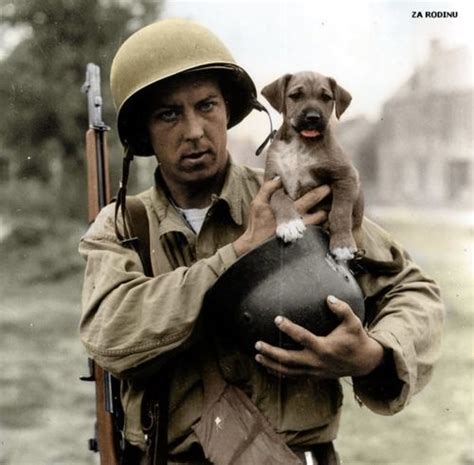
(305, 154)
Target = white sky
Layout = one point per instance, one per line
(370, 48)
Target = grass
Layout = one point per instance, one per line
(47, 414)
(437, 427)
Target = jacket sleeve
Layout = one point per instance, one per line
(405, 315)
(128, 318)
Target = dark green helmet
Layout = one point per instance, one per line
(291, 280)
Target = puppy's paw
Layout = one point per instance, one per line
(291, 231)
(343, 254)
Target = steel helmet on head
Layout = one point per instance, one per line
(164, 50)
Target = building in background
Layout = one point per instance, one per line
(424, 138)
(357, 136)
(420, 152)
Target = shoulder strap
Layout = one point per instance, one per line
(137, 220)
(139, 229)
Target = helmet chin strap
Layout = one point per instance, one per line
(258, 106)
(120, 203)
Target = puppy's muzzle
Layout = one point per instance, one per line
(310, 119)
(312, 116)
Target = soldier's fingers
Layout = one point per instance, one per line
(281, 356)
(341, 309)
(284, 371)
(312, 198)
(299, 334)
(272, 365)
(267, 189)
(317, 217)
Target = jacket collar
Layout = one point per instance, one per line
(231, 192)
(171, 219)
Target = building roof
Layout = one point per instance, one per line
(445, 70)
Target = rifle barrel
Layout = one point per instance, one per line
(106, 440)
(96, 145)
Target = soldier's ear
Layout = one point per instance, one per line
(275, 92)
(341, 96)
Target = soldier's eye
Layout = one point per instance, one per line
(207, 105)
(167, 115)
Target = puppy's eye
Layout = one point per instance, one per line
(297, 95)
(326, 97)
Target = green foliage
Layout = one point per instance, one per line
(41, 79)
(42, 249)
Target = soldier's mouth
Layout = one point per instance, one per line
(196, 155)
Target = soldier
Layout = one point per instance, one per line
(177, 90)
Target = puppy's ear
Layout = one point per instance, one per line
(275, 92)
(342, 97)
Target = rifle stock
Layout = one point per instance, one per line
(98, 184)
(108, 408)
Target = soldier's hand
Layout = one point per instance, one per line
(261, 225)
(261, 222)
(306, 205)
(347, 351)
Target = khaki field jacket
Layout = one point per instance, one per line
(129, 319)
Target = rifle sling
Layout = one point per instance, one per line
(137, 221)
(139, 240)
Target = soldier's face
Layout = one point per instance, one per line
(187, 128)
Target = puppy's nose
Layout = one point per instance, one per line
(312, 116)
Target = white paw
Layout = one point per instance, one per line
(291, 231)
(342, 254)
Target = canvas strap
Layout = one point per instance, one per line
(137, 236)
(138, 232)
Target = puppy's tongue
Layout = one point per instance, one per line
(310, 133)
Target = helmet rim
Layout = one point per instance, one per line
(239, 106)
(167, 49)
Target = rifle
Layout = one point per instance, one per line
(109, 414)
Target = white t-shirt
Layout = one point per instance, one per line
(195, 217)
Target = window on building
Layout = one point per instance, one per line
(459, 174)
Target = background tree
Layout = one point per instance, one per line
(44, 111)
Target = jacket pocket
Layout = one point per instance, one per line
(298, 405)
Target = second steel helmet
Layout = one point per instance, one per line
(163, 50)
(291, 280)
